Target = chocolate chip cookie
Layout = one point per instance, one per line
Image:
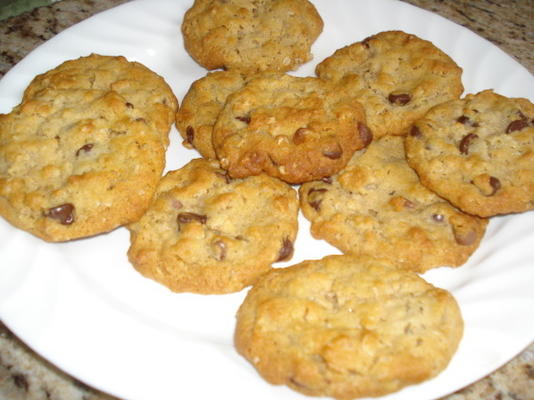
(478, 153)
(202, 105)
(207, 233)
(251, 36)
(146, 93)
(347, 327)
(84, 150)
(397, 76)
(296, 129)
(377, 205)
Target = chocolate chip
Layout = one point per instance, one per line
(415, 132)
(317, 190)
(465, 238)
(315, 201)
(190, 134)
(245, 119)
(465, 120)
(466, 142)
(221, 249)
(438, 217)
(130, 105)
(187, 217)
(316, 204)
(20, 381)
(518, 124)
(400, 99)
(488, 185)
(85, 148)
(333, 154)
(495, 184)
(64, 213)
(300, 135)
(286, 251)
(366, 135)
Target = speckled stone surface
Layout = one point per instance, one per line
(24, 375)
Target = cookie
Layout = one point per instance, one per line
(397, 76)
(84, 151)
(377, 205)
(202, 105)
(347, 327)
(478, 153)
(296, 129)
(146, 93)
(251, 36)
(207, 233)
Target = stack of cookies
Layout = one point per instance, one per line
(377, 150)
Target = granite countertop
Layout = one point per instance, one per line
(24, 375)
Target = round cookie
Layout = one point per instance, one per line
(251, 36)
(377, 205)
(146, 93)
(201, 106)
(347, 327)
(207, 233)
(81, 159)
(397, 77)
(296, 129)
(478, 153)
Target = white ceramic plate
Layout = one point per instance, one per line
(84, 308)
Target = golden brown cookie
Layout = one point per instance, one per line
(347, 327)
(84, 151)
(478, 153)
(145, 92)
(207, 233)
(377, 206)
(397, 77)
(201, 107)
(296, 129)
(251, 36)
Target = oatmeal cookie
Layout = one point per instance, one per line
(84, 151)
(347, 327)
(207, 233)
(201, 107)
(146, 93)
(377, 205)
(397, 77)
(296, 129)
(478, 153)
(251, 36)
